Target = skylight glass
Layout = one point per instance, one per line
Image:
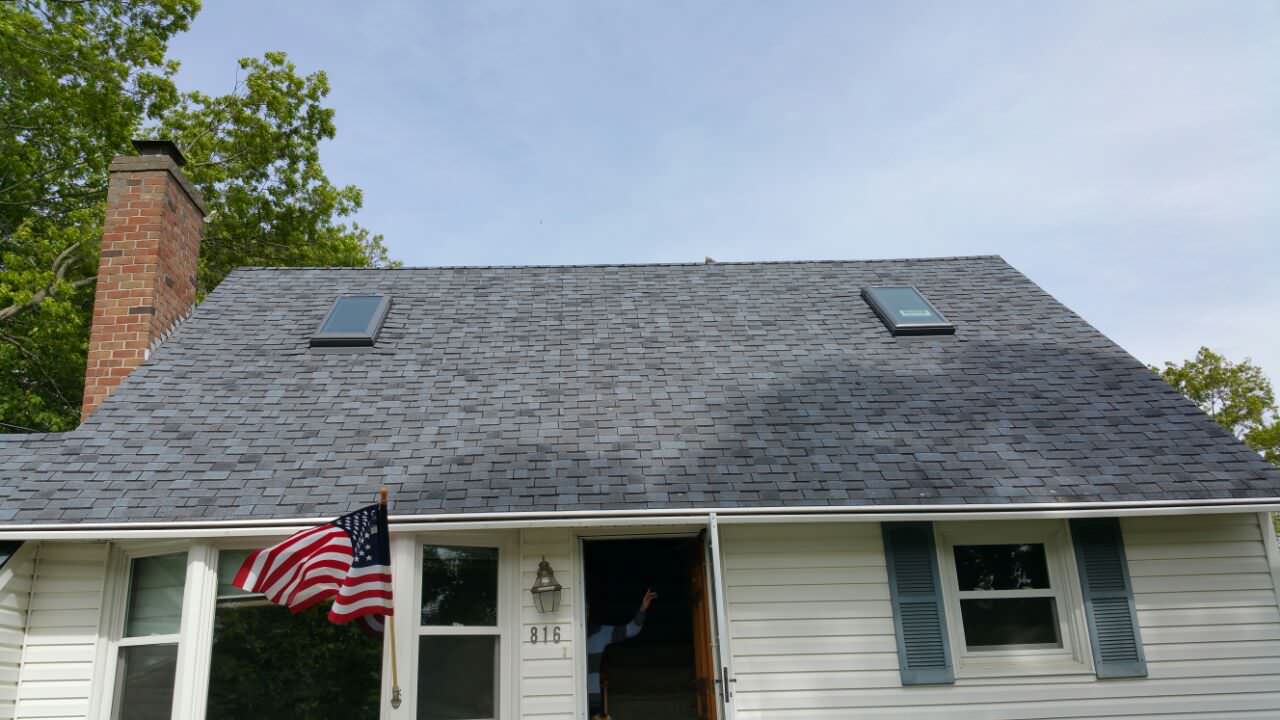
(353, 321)
(906, 312)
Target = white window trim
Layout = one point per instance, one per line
(1074, 656)
(104, 686)
(408, 551)
(1266, 523)
(191, 686)
(199, 603)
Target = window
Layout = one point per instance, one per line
(906, 312)
(1005, 597)
(267, 662)
(148, 649)
(1012, 602)
(353, 321)
(7, 549)
(459, 641)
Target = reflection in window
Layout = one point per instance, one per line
(456, 677)
(1010, 621)
(459, 585)
(1001, 567)
(155, 595)
(1005, 597)
(270, 663)
(146, 688)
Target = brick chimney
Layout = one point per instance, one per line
(147, 271)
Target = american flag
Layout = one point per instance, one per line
(348, 559)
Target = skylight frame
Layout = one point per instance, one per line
(940, 326)
(364, 338)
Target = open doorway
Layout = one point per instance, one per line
(660, 668)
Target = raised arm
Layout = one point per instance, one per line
(637, 623)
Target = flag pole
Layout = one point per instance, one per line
(391, 626)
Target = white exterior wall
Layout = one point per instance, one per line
(15, 590)
(811, 624)
(62, 631)
(813, 633)
(548, 687)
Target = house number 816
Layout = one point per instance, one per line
(552, 636)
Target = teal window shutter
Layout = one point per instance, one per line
(923, 654)
(1108, 598)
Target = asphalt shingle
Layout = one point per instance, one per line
(651, 386)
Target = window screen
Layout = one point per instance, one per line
(906, 312)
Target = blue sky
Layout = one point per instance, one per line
(1124, 155)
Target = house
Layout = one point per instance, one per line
(884, 489)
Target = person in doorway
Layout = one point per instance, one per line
(599, 638)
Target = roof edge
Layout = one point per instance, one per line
(877, 513)
(737, 263)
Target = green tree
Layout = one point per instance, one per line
(78, 80)
(1237, 395)
(255, 155)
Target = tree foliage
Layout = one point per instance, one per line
(78, 80)
(268, 663)
(1237, 395)
(255, 156)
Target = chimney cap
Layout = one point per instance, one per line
(160, 147)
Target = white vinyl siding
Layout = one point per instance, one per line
(547, 680)
(62, 631)
(813, 630)
(15, 591)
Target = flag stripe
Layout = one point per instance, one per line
(251, 572)
(286, 562)
(348, 560)
(328, 563)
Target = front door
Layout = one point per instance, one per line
(704, 661)
(660, 664)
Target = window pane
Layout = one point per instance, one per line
(146, 681)
(352, 314)
(459, 585)
(1001, 567)
(457, 677)
(1010, 621)
(270, 663)
(229, 562)
(155, 595)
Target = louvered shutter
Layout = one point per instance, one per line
(923, 654)
(1108, 598)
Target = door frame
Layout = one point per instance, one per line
(581, 536)
(718, 619)
(719, 611)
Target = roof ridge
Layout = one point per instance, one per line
(867, 261)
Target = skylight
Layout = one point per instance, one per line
(353, 321)
(906, 312)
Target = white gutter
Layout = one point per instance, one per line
(622, 518)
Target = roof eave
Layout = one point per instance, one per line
(213, 529)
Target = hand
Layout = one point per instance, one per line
(649, 597)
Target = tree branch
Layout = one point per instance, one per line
(34, 360)
(63, 263)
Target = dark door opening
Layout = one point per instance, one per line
(654, 673)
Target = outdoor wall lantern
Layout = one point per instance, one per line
(546, 591)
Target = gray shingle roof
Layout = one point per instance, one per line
(625, 387)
